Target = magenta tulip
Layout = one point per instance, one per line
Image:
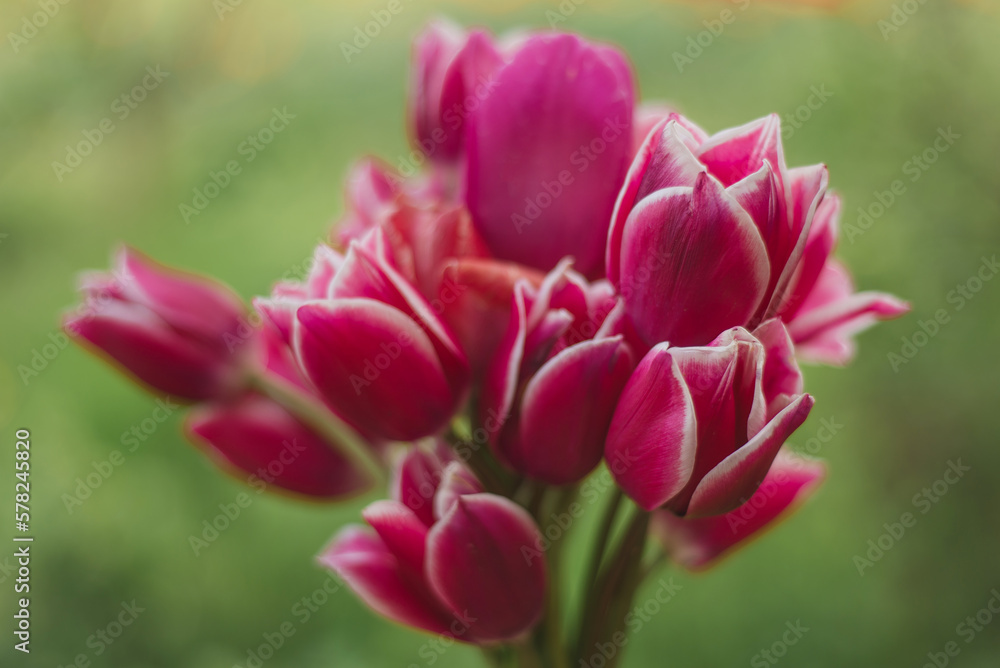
(173, 331)
(547, 148)
(376, 351)
(267, 445)
(556, 379)
(711, 232)
(697, 544)
(452, 69)
(696, 429)
(458, 571)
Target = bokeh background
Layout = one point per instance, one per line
(896, 429)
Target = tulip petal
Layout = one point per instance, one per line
(819, 245)
(415, 479)
(188, 302)
(834, 310)
(502, 378)
(806, 188)
(262, 440)
(402, 532)
(697, 544)
(366, 274)
(150, 351)
(733, 481)
(374, 574)
(734, 154)
(653, 435)
(476, 564)
(536, 190)
(725, 384)
(455, 482)
(374, 365)
(693, 264)
(664, 160)
(567, 408)
(781, 379)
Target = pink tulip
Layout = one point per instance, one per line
(451, 70)
(711, 232)
(547, 148)
(373, 346)
(267, 445)
(821, 308)
(556, 378)
(173, 331)
(444, 556)
(696, 429)
(697, 544)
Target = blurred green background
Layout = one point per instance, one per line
(898, 430)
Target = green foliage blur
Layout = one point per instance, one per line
(890, 94)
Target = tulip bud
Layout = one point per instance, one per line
(460, 572)
(548, 146)
(270, 446)
(449, 65)
(556, 379)
(696, 429)
(174, 332)
(377, 353)
(697, 544)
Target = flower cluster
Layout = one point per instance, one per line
(569, 278)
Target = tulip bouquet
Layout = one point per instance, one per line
(555, 278)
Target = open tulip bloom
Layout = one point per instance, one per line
(570, 282)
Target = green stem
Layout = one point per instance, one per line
(550, 634)
(596, 558)
(616, 586)
(312, 412)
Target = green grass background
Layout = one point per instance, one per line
(129, 540)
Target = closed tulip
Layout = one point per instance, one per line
(173, 331)
(711, 232)
(697, 428)
(556, 378)
(376, 351)
(457, 570)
